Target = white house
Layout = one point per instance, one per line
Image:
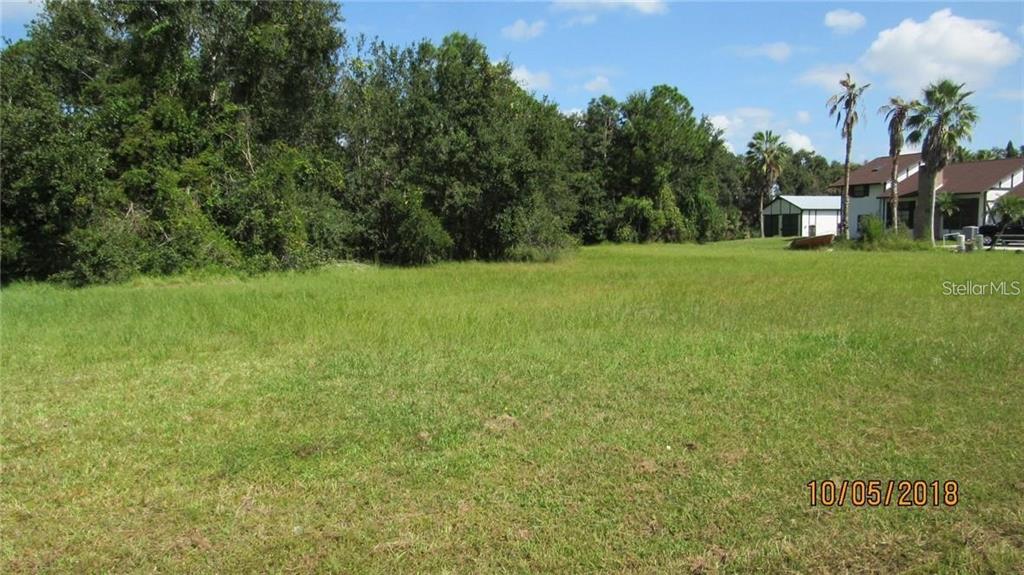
(801, 216)
(976, 186)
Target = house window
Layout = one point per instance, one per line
(860, 191)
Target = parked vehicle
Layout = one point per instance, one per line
(989, 232)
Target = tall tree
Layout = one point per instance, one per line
(896, 112)
(844, 107)
(939, 124)
(765, 155)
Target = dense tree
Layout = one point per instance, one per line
(160, 137)
(808, 174)
(939, 123)
(844, 107)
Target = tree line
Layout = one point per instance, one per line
(162, 137)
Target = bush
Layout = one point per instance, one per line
(110, 249)
(406, 233)
(637, 214)
(875, 238)
(872, 230)
(537, 234)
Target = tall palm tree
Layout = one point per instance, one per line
(896, 112)
(765, 156)
(940, 123)
(844, 107)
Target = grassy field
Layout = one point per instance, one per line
(630, 408)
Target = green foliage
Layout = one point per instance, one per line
(176, 137)
(406, 233)
(1010, 209)
(945, 202)
(872, 229)
(875, 237)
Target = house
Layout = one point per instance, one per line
(976, 186)
(801, 216)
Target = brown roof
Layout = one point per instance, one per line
(877, 171)
(1017, 190)
(968, 177)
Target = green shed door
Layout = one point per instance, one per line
(791, 224)
(771, 225)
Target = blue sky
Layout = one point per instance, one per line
(748, 66)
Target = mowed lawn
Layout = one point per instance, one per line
(653, 408)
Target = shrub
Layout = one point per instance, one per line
(537, 233)
(875, 238)
(639, 215)
(872, 230)
(110, 249)
(406, 233)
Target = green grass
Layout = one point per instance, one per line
(629, 408)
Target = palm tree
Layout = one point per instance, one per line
(844, 107)
(896, 112)
(765, 155)
(946, 204)
(939, 124)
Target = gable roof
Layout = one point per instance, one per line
(877, 171)
(967, 177)
(1017, 190)
(813, 202)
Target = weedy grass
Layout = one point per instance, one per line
(654, 408)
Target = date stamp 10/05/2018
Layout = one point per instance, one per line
(883, 493)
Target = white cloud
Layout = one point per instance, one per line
(571, 111)
(914, 54)
(22, 9)
(531, 80)
(844, 21)
(523, 30)
(827, 77)
(778, 51)
(582, 20)
(803, 117)
(798, 141)
(588, 10)
(598, 83)
(1010, 94)
(739, 125)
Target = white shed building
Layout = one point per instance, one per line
(801, 216)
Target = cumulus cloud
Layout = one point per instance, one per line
(803, 116)
(598, 83)
(588, 10)
(797, 141)
(778, 51)
(739, 125)
(827, 77)
(914, 54)
(531, 80)
(844, 21)
(523, 30)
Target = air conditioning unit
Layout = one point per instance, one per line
(970, 232)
